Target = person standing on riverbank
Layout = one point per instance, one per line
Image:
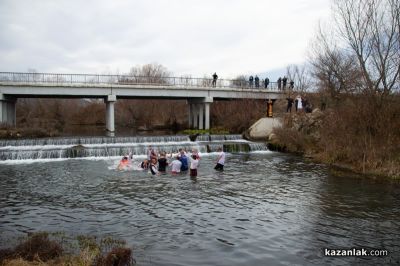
(220, 160)
(299, 104)
(289, 104)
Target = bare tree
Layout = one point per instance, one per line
(370, 28)
(335, 70)
(240, 81)
(149, 73)
(300, 76)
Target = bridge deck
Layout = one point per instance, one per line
(123, 86)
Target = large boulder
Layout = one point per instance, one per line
(261, 129)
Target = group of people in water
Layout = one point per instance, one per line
(181, 162)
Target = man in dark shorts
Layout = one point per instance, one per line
(220, 160)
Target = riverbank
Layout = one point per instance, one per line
(43, 248)
(325, 137)
(26, 132)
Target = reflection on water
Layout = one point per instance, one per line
(264, 209)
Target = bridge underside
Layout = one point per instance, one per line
(199, 100)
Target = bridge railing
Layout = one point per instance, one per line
(90, 79)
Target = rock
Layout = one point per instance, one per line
(262, 129)
(272, 137)
(193, 137)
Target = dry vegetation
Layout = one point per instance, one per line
(45, 249)
(360, 83)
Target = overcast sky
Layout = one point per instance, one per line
(189, 37)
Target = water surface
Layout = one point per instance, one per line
(266, 208)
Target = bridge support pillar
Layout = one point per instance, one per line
(195, 116)
(110, 124)
(207, 115)
(190, 118)
(7, 110)
(201, 116)
(199, 112)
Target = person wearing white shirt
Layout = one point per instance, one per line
(194, 164)
(220, 160)
(176, 166)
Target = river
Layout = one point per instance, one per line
(266, 208)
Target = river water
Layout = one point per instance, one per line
(266, 208)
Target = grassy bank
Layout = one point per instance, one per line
(44, 249)
(356, 135)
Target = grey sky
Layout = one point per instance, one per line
(189, 37)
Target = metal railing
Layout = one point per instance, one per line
(93, 79)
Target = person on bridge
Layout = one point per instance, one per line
(215, 77)
(266, 82)
(251, 81)
(291, 85)
(279, 83)
(257, 81)
(284, 82)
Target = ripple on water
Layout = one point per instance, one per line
(263, 209)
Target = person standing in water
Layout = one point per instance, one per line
(176, 166)
(184, 160)
(162, 163)
(194, 164)
(124, 163)
(153, 167)
(220, 160)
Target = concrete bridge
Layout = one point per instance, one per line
(198, 92)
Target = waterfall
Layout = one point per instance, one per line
(258, 146)
(217, 137)
(91, 140)
(81, 147)
(203, 138)
(233, 137)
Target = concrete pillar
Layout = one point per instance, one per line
(195, 116)
(7, 110)
(110, 125)
(207, 115)
(191, 116)
(201, 116)
(199, 112)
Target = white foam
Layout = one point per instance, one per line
(263, 152)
